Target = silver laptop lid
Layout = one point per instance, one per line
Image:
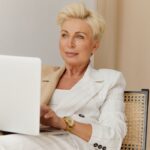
(20, 80)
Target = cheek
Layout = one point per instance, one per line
(85, 54)
(86, 49)
(61, 45)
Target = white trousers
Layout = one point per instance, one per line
(44, 141)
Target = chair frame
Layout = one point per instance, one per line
(146, 93)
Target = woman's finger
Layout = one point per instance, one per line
(44, 109)
(49, 114)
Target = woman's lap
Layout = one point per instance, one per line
(42, 142)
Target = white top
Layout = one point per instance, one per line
(57, 98)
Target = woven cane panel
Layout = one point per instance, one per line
(134, 109)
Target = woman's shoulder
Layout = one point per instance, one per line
(108, 74)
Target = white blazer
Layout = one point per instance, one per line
(98, 100)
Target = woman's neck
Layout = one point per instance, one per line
(75, 71)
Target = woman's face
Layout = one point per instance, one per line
(76, 42)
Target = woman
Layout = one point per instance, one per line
(86, 103)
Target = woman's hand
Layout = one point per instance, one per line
(49, 118)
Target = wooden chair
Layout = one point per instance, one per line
(136, 109)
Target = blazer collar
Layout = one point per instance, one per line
(90, 74)
(93, 74)
(82, 92)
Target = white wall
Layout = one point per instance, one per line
(28, 28)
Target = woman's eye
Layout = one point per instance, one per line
(63, 35)
(80, 36)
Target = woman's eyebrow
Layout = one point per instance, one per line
(78, 32)
(81, 33)
(64, 31)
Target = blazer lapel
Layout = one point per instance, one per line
(81, 93)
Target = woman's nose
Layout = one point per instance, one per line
(71, 42)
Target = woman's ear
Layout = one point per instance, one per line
(95, 46)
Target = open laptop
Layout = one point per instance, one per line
(20, 80)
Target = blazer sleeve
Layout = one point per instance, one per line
(108, 132)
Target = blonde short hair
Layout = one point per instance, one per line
(80, 11)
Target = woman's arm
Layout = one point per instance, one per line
(50, 118)
(82, 130)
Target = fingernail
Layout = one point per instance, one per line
(46, 116)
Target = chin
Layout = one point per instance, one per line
(72, 63)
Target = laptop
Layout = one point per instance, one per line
(20, 83)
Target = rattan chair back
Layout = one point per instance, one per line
(136, 110)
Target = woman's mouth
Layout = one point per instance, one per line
(71, 54)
